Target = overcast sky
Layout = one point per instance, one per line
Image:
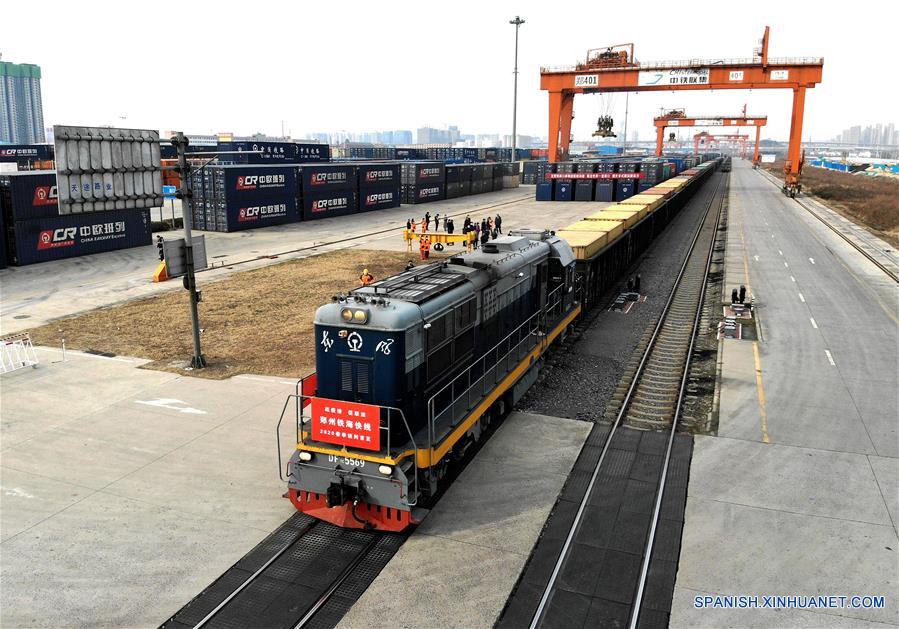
(359, 66)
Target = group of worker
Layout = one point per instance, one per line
(489, 228)
(449, 226)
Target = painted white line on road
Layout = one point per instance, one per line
(830, 358)
(801, 298)
(172, 404)
(269, 380)
(814, 323)
(786, 264)
(812, 260)
(756, 258)
(780, 252)
(792, 279)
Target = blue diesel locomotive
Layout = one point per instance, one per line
(410, 369)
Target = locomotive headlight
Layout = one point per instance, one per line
(386, 470)
(305, 456)
(346, 314)
(360, 316)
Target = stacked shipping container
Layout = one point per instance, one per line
(34, 231)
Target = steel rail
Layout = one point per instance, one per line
(892, 275)
(647, 553)
(324, 598)
(563, 554)
(299, 535)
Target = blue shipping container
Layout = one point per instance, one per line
(253, 181)
(583, 191)
(624, 189)
(382, 174)
(605, 191)
(328, 204)
(73, 235)
(563, 191)
(29, 195)
(231, 215)
(323, 178)
(545, 191)
(379, 198)
(274, 152)
(25, 152)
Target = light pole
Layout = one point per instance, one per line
(517, 22)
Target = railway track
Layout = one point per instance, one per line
(305, 575)
(651, 399)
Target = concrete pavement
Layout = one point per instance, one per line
(124, 491)
(797, 495)
(460, 565)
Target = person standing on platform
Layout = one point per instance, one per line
(409, 223)
(427, 222)
(450, 225)
(498, 221)
(437, 222)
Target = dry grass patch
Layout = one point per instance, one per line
(257, 321)
(872, 202)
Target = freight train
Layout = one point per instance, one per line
(412, 369)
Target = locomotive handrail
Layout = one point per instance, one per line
(482, 363)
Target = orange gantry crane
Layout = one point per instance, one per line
(614, 69)
(732, 139)
(677, 118)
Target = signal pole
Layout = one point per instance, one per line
(197, 361)
(517, 22)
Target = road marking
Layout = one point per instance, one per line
(814, 324)
(172, 404)
(787, 265)
(812, 260)
(792, 279)
(760, 389)
(780, 252)
(801, 298)
(830, 358)
(756, 258)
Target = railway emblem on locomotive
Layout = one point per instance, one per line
(326, 342)
(354, 341)
(384, 347)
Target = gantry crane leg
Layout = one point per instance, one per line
(793, 164)
(555, 112)
(660, 140)
(755, 153)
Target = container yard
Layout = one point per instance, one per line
(528, 338)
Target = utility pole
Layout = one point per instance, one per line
(197, 361)
(627, 96)
(517, 22)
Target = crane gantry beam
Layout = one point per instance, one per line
(618, 71)
(677, 118)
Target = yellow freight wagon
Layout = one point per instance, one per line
(584, 244)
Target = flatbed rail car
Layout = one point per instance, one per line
(411, 369)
